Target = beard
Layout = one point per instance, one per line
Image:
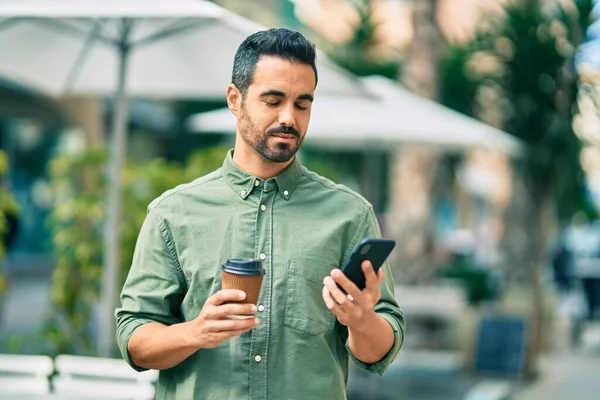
(263, 142)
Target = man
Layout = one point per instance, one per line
(261, 204)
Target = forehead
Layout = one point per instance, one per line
(277, 73)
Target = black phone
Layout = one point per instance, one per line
(372, 249)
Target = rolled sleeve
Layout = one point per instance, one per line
(124, 333)
(387, 307)
(393, 315)
(154, 287)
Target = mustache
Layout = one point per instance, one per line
(287, 130)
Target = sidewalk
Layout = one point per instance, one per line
(421, 375)
(568, 375)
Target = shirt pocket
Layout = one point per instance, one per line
(305, 310)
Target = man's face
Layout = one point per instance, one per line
(274, 116)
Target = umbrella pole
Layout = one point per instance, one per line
(112, 235)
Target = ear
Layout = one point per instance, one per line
(234, 99)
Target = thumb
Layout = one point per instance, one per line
(380, 276)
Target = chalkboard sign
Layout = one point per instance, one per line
(501, 345)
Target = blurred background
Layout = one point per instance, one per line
(473, 127)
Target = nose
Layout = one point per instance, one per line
(286, 116)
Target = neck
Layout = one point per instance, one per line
(249, 161)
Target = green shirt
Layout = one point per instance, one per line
(302, 226)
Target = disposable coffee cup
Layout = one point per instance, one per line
(245, 274)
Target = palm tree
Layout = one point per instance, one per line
(415, 169)
(420, 68)
(359, 55)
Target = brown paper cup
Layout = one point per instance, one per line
(248, 284)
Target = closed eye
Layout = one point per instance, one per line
(303, 105)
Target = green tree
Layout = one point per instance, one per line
(77, 221)
(8, 209)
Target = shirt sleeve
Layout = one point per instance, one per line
(387, 307)
(154, 287)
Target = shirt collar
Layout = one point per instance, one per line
(243, 183)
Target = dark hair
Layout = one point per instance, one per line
(277, 42)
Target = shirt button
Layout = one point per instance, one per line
(243, 192)
(262, 256)
(261, 308)
(257, 358)
(256, 183)
(263, 207)
(285, 192)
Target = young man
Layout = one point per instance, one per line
(261, 204)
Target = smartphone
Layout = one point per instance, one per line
(372, 249)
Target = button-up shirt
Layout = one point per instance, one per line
(301, 226)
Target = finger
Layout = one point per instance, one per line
(225, 310)
(335, 292)
(380, 276)
(230, 325)
(370, 276)
(224, 335)
(226, 295)
(346, 283)
(331, 304)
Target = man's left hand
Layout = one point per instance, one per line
(354, 309)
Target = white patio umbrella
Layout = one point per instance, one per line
(151, 48)
(342, 122)
(393, 116)
(428, 122)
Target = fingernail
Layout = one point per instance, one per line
(253, 308)
(242, 295)
(256, 321)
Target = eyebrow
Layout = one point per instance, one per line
(279, 93)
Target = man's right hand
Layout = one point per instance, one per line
(213, 326)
